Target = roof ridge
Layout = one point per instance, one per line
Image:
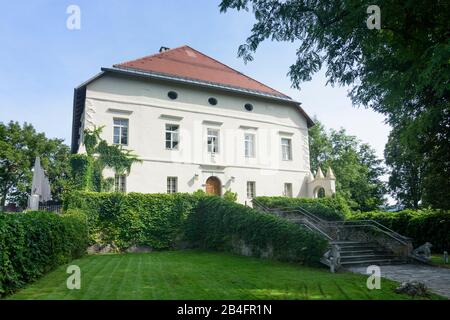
(237, 71)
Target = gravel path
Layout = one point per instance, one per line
(436, 279)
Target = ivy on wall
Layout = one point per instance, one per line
(87, 169)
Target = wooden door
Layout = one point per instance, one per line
(213, 186)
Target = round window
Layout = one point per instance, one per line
(172, 95)
(248, 107)
(212, 101)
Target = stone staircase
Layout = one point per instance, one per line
(351, 243)
(353, 253)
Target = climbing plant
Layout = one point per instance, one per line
(88, 169)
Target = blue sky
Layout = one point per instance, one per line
(41, 61)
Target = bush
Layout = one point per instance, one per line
(154, 220)
(82, 171)
(421, 225)
(222, 225)
(326, 208)
(230, 196)
(32, 244)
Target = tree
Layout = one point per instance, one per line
(406, 171)
(356, 167)
(401, 70)
(19, 146)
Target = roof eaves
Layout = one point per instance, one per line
(161, 76)
(98, 75)
(164, 76)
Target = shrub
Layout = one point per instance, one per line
(326, 208)
(154, 220)
(32, 244)
(222, 225)
(82, 171)
(421, 225)
(230, 196)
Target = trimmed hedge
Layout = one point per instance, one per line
(32, 244)
(222, 225)
(125, 220)
(421, 225)
(326, 208)
(164, 221)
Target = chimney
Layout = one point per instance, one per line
(162, 49)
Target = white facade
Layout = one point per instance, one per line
(249, 143)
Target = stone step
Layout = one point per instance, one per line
(372, 261)
(353, 252)
(365, 251)
(367, 257)
(360, 247)
(344, 242)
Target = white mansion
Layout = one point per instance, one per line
(198, 124)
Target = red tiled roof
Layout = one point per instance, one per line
(185, 62)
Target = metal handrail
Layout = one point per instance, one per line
(382, 226)
(309, 225)
(353, 223)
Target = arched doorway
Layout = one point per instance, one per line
(213, 186)
(319, 192)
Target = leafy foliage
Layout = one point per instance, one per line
(326, 208)
(87, 170)
(230, 196)
(125, 220)
(82, 171)
(407, 169)
(400, 71)
(19, 146)
(355, 165)
(421, 225)
(222, 225)
(164, 221)
(32, 244)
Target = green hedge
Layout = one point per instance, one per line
(154, 220)
(217, 224)
(326, 208)
(82, 171)
(421, 225)
(31, 244)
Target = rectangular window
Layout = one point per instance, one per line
(213, 141)
(172, 136)
(251, 189)
(249, 143)
(120, 183)
(288, 190)
(286, 148)
(172, 184)
(120, 133)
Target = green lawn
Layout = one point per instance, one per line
(201, 275)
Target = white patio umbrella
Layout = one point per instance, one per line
(40, 185)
